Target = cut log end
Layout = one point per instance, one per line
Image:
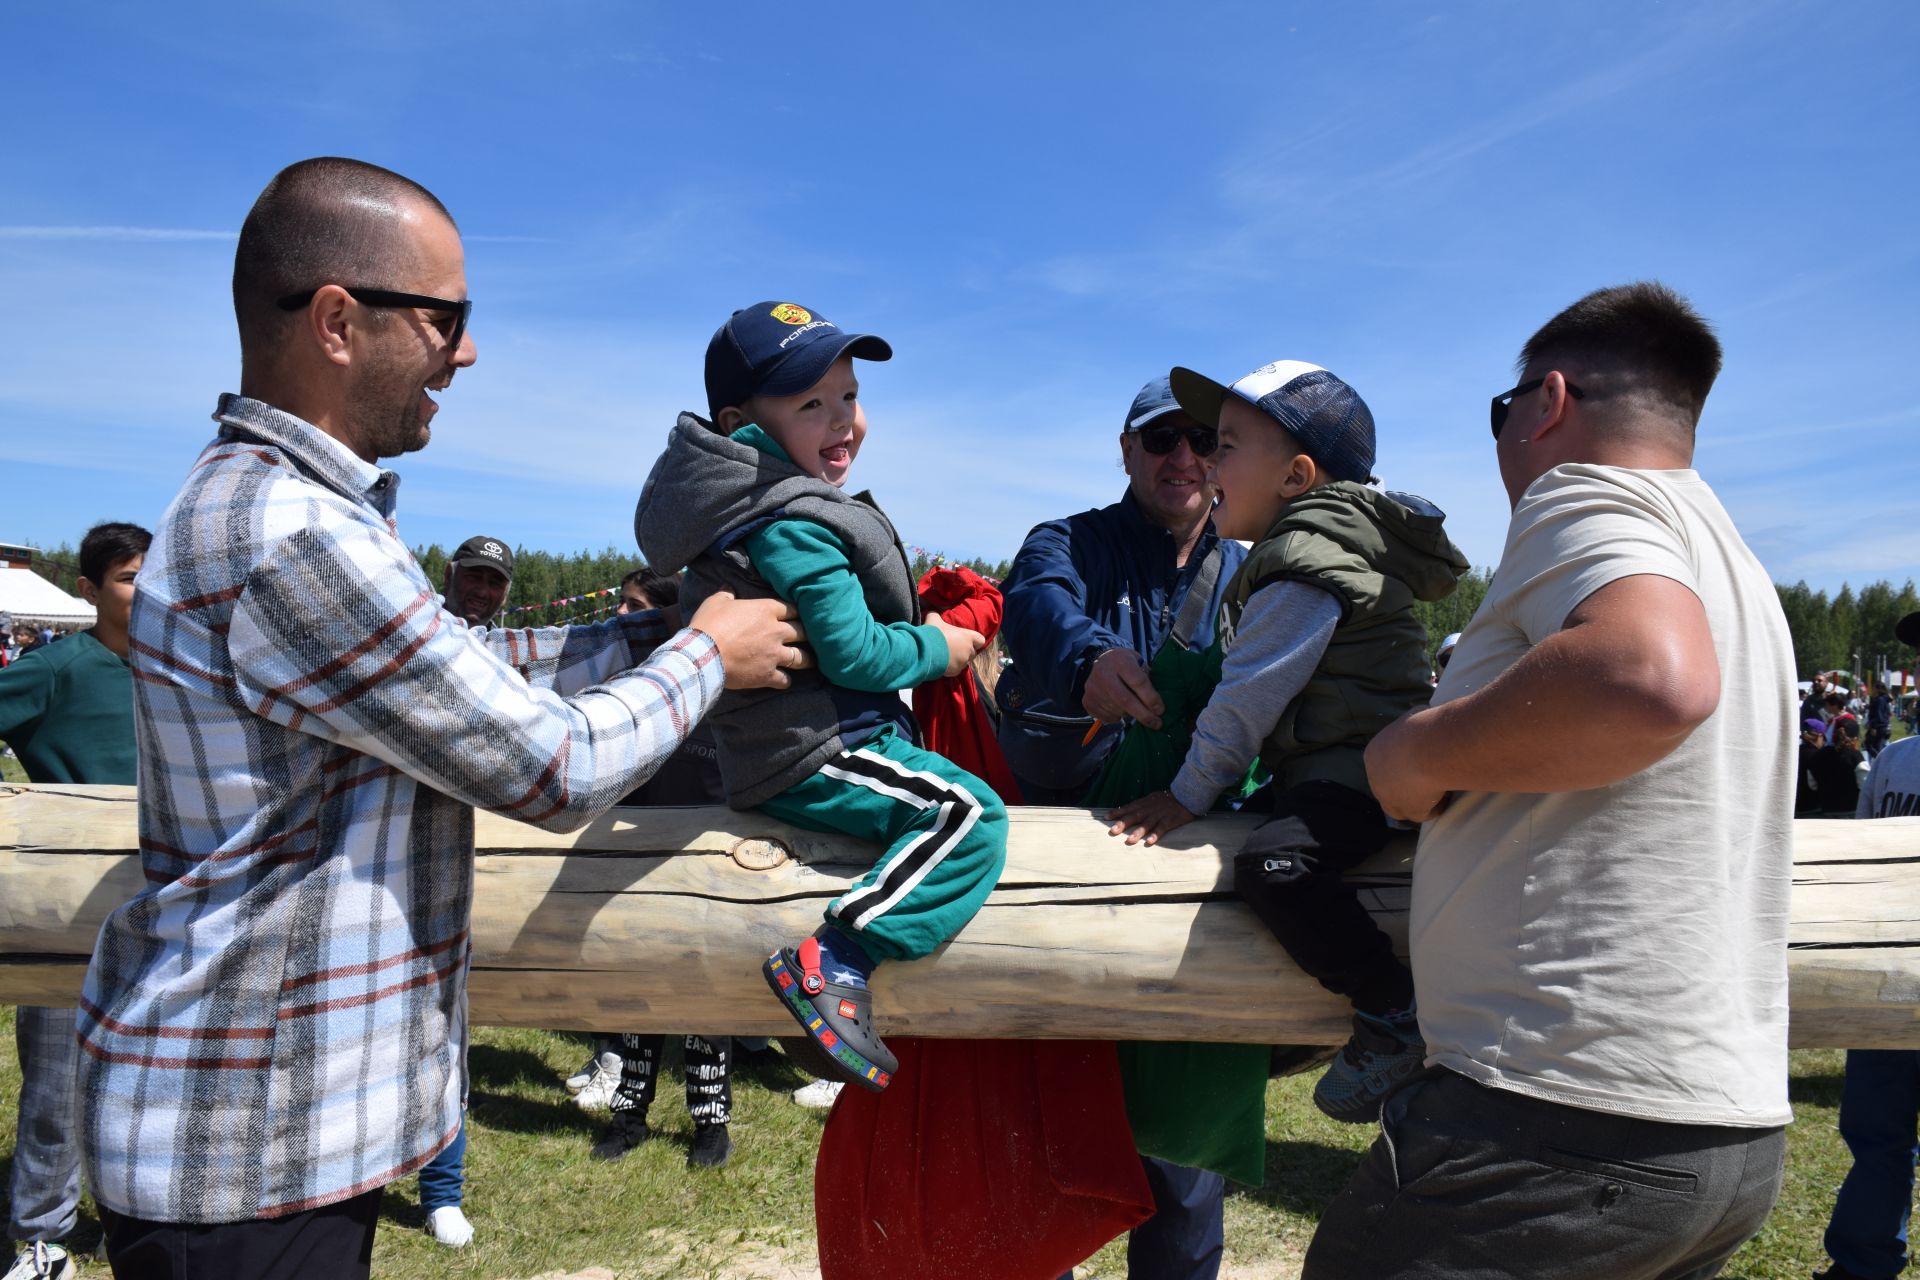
(759, 853)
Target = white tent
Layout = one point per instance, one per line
(31, 598)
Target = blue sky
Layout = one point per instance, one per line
(1040, 206)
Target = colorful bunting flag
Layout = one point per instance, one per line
(938, 559)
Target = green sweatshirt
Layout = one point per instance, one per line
(66, 709)
(807, 564)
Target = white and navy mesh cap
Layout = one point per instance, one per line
(1328, 417)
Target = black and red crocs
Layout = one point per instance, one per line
(838, 1020)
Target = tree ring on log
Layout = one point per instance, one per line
(759, 853)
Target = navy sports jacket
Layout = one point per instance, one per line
(1095, 581)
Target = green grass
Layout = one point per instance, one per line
(10, 770)
(540, 1205)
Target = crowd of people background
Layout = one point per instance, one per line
(17, 639)
(1556, 1098)
(1835, 758)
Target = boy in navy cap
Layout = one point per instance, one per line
(754, 502)
(1323, 652)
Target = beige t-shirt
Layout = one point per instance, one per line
(1622, 949)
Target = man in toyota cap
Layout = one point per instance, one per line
(478, 577)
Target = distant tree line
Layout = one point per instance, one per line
(992, 570)
(1442, 618)
(1850, 631)
(539, 577)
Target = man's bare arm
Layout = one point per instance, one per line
(1628, 676)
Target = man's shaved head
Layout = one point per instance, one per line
(1640, 351)
(321, 221)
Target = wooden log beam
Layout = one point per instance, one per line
(656, 920)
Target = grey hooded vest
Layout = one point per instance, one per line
(705, 495)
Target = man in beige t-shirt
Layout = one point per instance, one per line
(1599, 921)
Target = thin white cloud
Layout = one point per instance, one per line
(1867, 556)
(1691, 40)
(1867, 427)
(126, 234)
(1879, 264)
(1277, 196)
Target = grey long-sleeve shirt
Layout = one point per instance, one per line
(1284, 630)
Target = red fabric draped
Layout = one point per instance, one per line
(952, 718)
(1008, 1159)
(1003, 1158)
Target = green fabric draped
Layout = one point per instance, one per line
(1192, 1103)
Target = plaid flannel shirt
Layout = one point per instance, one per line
(277, 1021)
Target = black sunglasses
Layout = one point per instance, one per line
(1162, 437)
(1504, 401)
(460, 311)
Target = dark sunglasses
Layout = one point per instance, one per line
(1504, 401)
(1162, 438)
(459, 311)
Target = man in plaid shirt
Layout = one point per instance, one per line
(274, 1028)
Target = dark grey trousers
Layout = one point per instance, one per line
(1471, 1183)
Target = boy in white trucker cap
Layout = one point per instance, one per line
(1323, 651)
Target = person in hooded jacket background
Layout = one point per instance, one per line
(1322, 652)
(754, 503)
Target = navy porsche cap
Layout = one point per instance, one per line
(778, 349)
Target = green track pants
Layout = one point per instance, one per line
(945, 832)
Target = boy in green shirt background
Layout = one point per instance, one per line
(66, 709)
(754, 503)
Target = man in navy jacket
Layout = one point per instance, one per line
(1092, 597)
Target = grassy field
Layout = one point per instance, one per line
(540, 1206)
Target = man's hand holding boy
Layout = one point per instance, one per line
(758, 640)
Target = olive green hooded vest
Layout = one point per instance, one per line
(1376, 553)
